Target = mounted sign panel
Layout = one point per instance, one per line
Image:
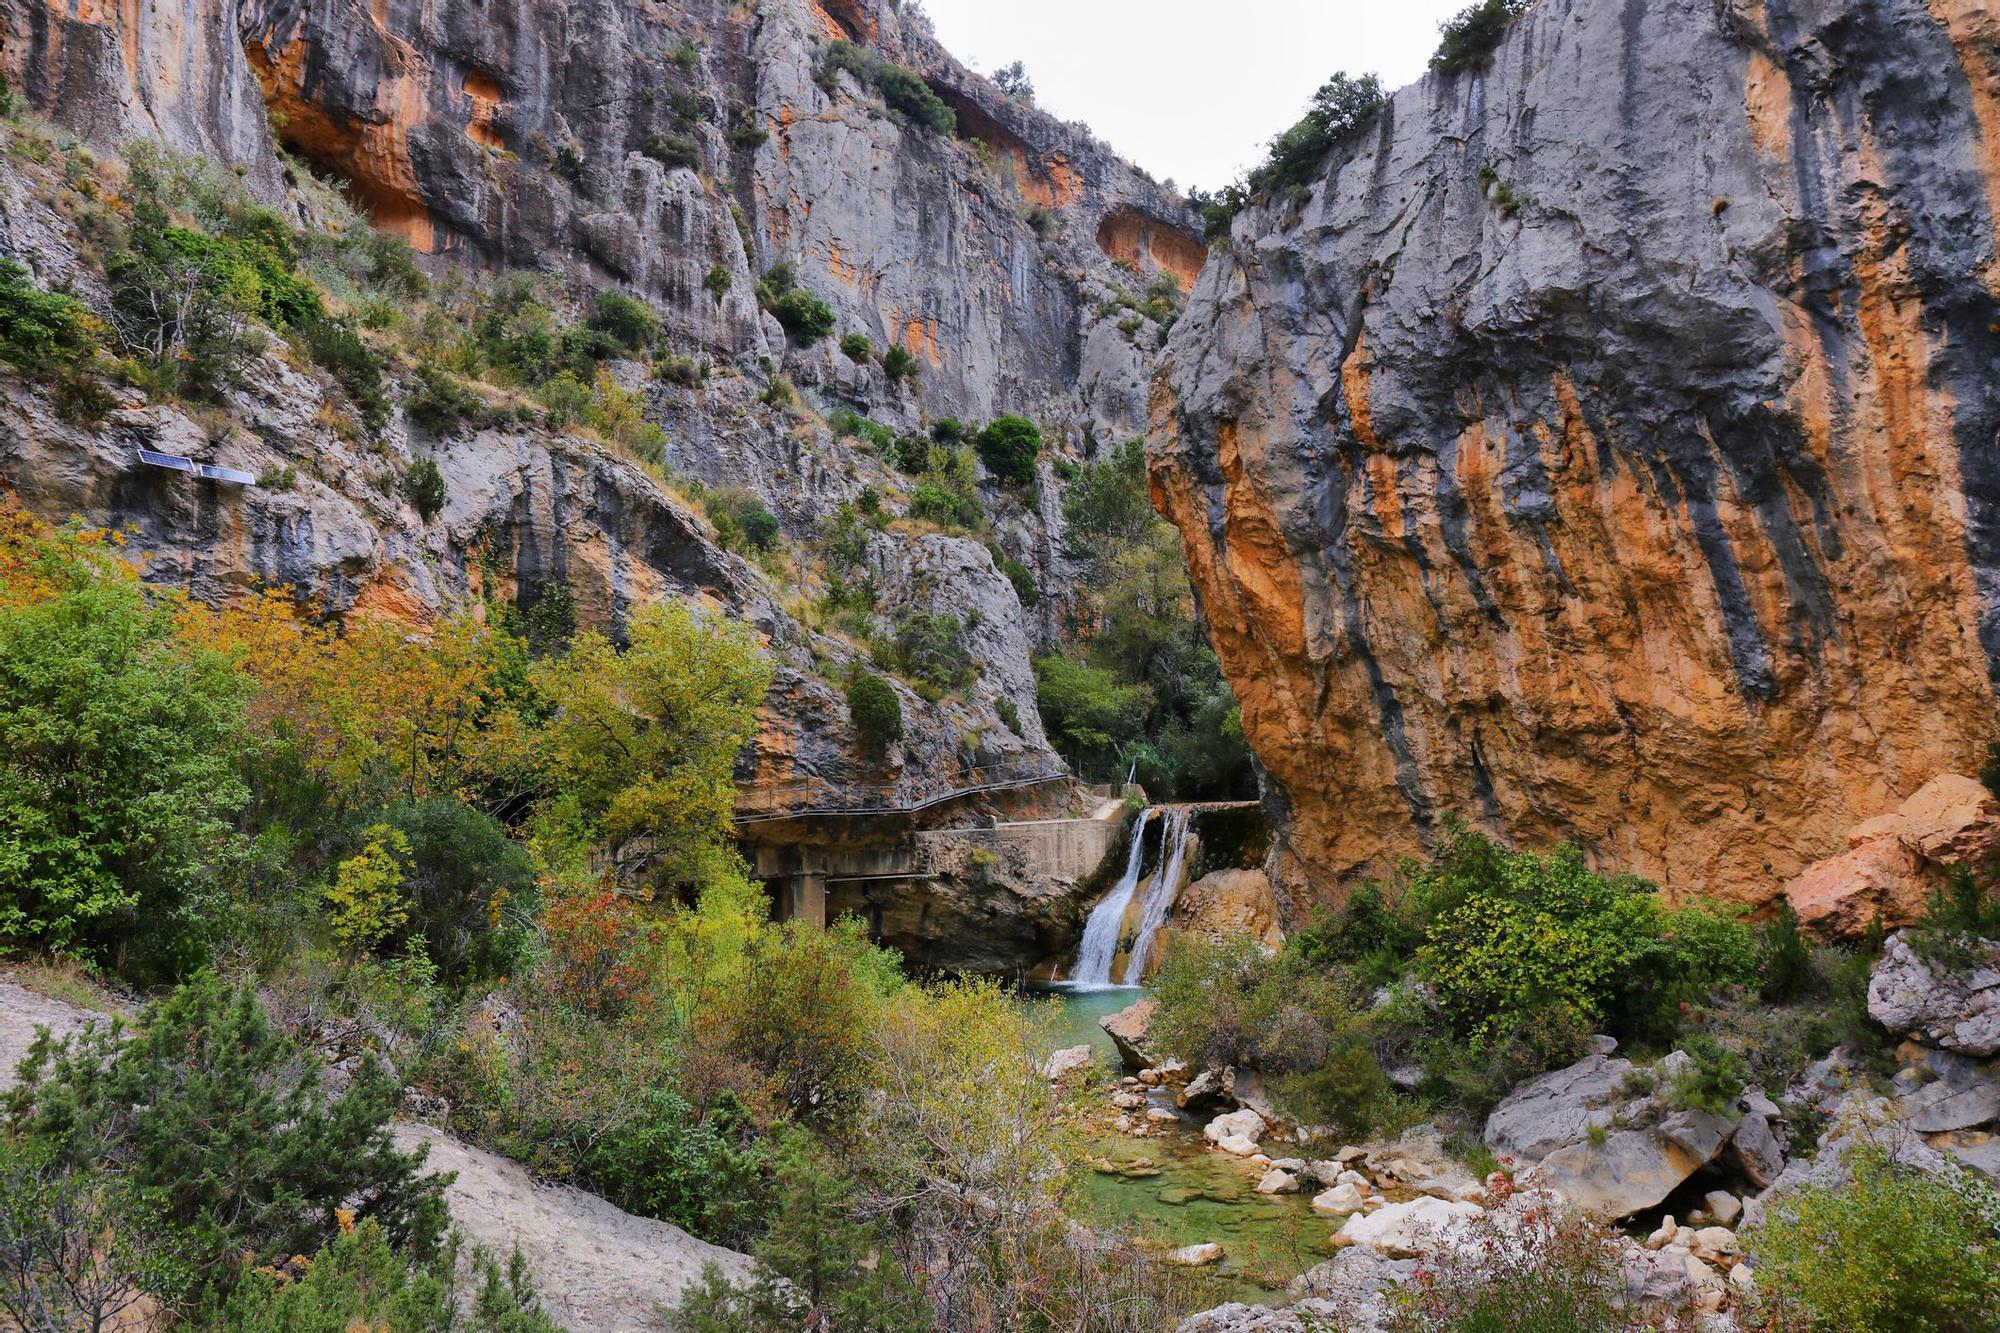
(176, 463)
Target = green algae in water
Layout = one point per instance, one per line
(1172, 1190)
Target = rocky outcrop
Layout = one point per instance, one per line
(1894, 862)
(1603, 446)
(594, 1265)
(678, 153)
(1953, 1007)
(1226, 905)
(1128, 1030)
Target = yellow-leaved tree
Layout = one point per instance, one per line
(640, 747)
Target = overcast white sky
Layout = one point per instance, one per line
(1190, 89)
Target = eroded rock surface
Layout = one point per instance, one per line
(1956, 1008)
(1604, 448)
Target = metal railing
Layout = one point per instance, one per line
(887, 798)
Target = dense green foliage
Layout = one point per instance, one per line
(424, 486)
(1341, 109)
(52, 336)
(1893, 1249)
(361, 1281)
(118, 764)
(1500, 963)
(904, 93)
(805, 317)
(224, 1124)
(1137, 687)
(742, 520)
(1009, 447)
(876, 711)
(1234, 1005)
(1470, 36)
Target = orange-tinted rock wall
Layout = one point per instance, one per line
(1660, 512)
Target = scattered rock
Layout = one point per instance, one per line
(1197, 1256)
(1238, 1145)
(1339, 1201)
(1958, 1011)
(1278, 1181)
(1246, 1123)
(1558, 1109)
(1128, 1101)
(594, 1265)
(1940, 1091)
(1204, 1093)
(1404, 1230)
(1128, 1029)
(1663, 1236)
(1069, 1060)
(1723, 1206)
(1161, 1115)
(1755, 1151)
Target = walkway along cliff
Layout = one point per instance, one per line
(1604, 447)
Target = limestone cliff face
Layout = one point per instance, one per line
(511, 134)
(1606, 448)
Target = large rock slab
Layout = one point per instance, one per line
(595, 1266)
(1894, 862)
(1958, 1010)
(1406, 1230)
(1558, 1109)
(22, 1012)
(1939, 1091)
(1128, 1030)
(1633, 1169)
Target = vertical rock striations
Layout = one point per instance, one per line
(1606, 448)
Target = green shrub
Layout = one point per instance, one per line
(1233, 1004)
(1009, 447)
(1470, 36)
(931, 649)
(944, 506)
(910, 454)
(1515, 941)
(470, 889)
(1713, 1082)
(672, 150)
(1787, 971)
(1960, 913)
(1009, 713)
(1894, 1249)
(817, 1267)
(748, 133)
(627, 320)
(702, 1172)
(899, 365)
(1017, 574)
(361, 1282)
(876, 711)
(1341, 109)
(226, 1125)
(118, 779)
(718, 281)
(912, 97)
(1366, 935)
(339, 351)
(857, 348)
(1088, 711)
(949, 430)
(43, 333)
(439, 402)
(423, 485)
(742, 522)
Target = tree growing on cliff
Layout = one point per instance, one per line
(1470, 36)
(1009, 447)
(876, 711)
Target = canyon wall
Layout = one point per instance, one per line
(678, 153)
(1604, 447)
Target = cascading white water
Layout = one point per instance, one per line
(1100, 934)
(1166, 888)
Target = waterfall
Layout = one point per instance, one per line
(1166, 888)
(1100, 934)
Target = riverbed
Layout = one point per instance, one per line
(1171, 1190)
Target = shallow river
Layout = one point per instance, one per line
(1173, 1190)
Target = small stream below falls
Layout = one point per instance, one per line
(1171, 1189)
